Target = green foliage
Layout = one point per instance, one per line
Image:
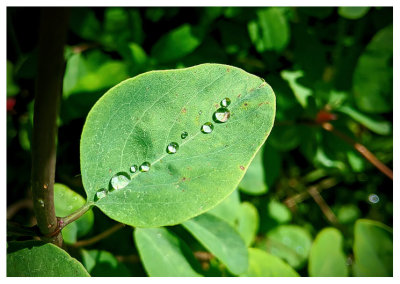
(327, 258)
(102, 263)
(119, 134)
(37, 259)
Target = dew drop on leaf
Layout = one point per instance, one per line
(207, 127)
(101, 193)
(225, 102)
(41, 202)
(221, 115)
(145, 167)
(133, 168)
(120, 180)
(172, 148)
(184, 135)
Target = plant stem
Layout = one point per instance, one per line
(52, 37)
(361, 149)
(64, 221)
(99, 237)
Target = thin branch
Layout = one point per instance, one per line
(64, 221)
(361, 149)
(52, 37)
(15, 207)
(99, 237)
(313, 191)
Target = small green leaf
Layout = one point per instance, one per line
(348, 213)
(163, 254)
(84, 23)
(262, 264)
(67, 201)
(12, 87)
(38, 259)
(271, 30)
(291, 243)
(100, 263)
(373, 76)
(353, 13)
(376, 125)
(326, 256)
(373, 249)
(253, 181)
(248, 222)
(176, 44)
(278, 212)
(135, 122)
(221, 240)
(228, 209)
(301, 93)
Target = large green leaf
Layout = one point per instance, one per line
(373, 76)
(221, 240)
(263, 264)
(163, 254)
(373, 249)
(248, 222)
(136, 120)
(37, 259)
(66, 202)
(353, 13)
(291, 243)
(102, 263)
(326, 256)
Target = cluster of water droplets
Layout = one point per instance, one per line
(122, 179)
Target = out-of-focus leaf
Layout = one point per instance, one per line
(291, 243)
(356, 161)
(348, 213)
(221, 240)
(176, 44)
(326, 255)
(228, 210)
(38, 259)
(373, 249)
(285, 137)
(163, 254)
(278, 212)
(373, 76)
(270, 31)
(100, 263)
(12, 87)
(376, 125)
(262, 264)
(84, 23)
(301, 93)
(317, 12)
(253, 181)
(67, 201)
(248, 222)
(353, 13)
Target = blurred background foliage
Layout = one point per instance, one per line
(325, 64)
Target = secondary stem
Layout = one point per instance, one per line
(52, 37)
(99, 237)
(74, 216)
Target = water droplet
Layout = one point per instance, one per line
(373, 198)
(221, 115)
(101, 193)
(172, 148)
(200, 112)
(145, 167)
(120, 180)
(184, 135)
(41, 202)
(207, 127)
(134, 168)
(225, 102)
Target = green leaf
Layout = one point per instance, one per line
(38, 259)
(163, 254)
(348, 213)
(353, 13)
(176, 44)
(136, 120)
(301, 93)
(262, 264)
(248, 222)
(291, 243)
(100, 263)
(84, 23)
(278, 212)
(326, 256)
(376, 125)
(221, 240)
(228, 209)
(373, 76)
(253, 181)
(67, 201)
(373, 249)
(271, 30)
(12, 87)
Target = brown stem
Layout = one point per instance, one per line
(313, 191)
(52, 38)
(99, 237)
(361, 149)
